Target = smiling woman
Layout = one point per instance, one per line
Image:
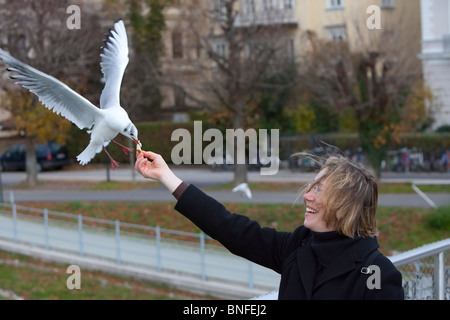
(322, 259)
(342, 198)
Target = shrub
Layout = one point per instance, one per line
(440, 218)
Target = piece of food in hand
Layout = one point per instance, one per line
(139, 147)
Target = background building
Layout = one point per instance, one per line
(435, 55)
(296, 20)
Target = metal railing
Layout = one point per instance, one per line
(425, 270)
(163, 250)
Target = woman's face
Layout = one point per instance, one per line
(315, 208)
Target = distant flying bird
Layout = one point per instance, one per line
(104, 123)
(244, 190)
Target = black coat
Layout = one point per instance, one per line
(312, 266)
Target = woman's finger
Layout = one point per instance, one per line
(149, 154)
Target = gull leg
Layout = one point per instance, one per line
(126, 150)
(114, 163)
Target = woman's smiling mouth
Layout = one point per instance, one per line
(310, 211)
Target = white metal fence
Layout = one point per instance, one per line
(130, 244)
(425, 270)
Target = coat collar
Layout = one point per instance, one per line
(345, 262)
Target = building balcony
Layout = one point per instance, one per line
(270, 17)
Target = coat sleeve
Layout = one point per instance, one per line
(237, 233)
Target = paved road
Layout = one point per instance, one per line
(203, 176)
(204, 179)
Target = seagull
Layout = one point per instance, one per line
(243, 189)
(103, 123)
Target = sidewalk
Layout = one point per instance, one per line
(206, 178)
(201, 174)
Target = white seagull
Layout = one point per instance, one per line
(244, 190)
(106, 122)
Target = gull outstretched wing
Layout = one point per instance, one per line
(53, 94)
(114, 60)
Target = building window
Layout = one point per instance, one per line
(221, 48)
(269, 5)
(177, 45)
(179, 98)
(387, 4)
(198, 49)
(249, 6)
(336, 33)
(218, 7)
(292, 48)
(289, 49)
(250, 49)
(287, 4)
(335, 4)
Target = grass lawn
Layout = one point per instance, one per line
(400, 228)
(33, 279)
(383, 188)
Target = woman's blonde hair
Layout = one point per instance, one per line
(350, 197)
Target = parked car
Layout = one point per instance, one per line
(49, 156)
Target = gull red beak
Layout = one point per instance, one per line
(137, 142)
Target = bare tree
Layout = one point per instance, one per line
(37, 33)
(373, 75)
(230, 53)
(147, 21)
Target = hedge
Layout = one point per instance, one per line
(428, 143)
(156, 136)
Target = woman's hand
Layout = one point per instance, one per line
(156, 169)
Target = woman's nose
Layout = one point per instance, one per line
(309, 196)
